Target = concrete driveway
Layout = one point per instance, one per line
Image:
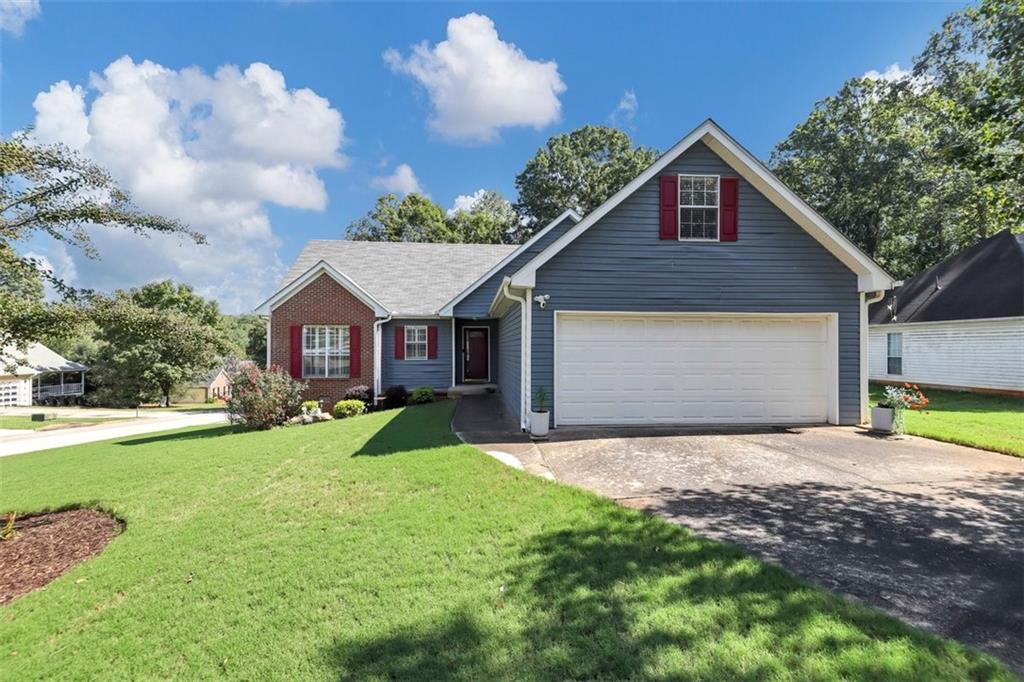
(929, 532)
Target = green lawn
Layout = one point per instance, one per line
(25, 422)
(990, 422)
(381, 548)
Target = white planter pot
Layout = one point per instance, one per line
(539, 424)
(881, 419)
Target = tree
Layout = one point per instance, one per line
(247, 335)
(414, 218)
(578, 170)
(153, 339)
(490, 219)
(50, 190)
(916, 169)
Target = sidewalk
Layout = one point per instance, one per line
(483, 421)
(14, 443)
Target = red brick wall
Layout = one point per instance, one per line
(323, 301)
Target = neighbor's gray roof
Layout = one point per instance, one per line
(407, 278)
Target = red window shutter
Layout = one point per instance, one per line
(355, 346)
(668, 225)
(399, 343)
(728, 212)
(431, 343)
(296, 351)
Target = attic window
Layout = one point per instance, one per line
(698, 207)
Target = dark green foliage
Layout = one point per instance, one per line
(395, 396)
(415, 218)
(578, 170)
(916, 169)
(422, 395)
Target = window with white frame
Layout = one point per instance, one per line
(415, 343)
(894, 360)
(698, 207)
(325, 352)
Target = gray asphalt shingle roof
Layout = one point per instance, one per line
(407, 278)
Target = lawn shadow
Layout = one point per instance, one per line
(948, 557)
(213, 432)
(411, 428)
(628, 597)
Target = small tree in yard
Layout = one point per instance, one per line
(262, 399)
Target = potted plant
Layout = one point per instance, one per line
(539, 415)
(889, 415)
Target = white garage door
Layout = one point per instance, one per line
(663, 369)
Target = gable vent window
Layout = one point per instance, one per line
(325, 351)
(894, 342)
(698, 207)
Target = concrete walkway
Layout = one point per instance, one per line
(484, 422)
(14, 442)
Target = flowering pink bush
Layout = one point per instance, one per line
(263, 399)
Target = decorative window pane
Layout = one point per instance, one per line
(325, 351)
(698, 207)
(415, 343)
(894, 359)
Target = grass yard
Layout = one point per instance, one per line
(25, 422)
(381, 548)
(990, 422)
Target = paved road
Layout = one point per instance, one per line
(927, 531)
(16, 442)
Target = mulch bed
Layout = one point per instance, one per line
(46, 546)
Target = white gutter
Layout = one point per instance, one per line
(864, 303)
(524, 317)
(377, 353)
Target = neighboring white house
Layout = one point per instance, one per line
(40, 375)
(959, 324)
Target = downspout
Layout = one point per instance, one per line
(378, 348)
(523, 361)
(864, 303)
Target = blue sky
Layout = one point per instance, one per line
(755, 68)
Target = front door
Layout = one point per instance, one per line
(476, 352)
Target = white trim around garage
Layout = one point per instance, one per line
(832, 344)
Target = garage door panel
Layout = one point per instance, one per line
(638, 369)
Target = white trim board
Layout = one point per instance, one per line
(870, 276)
(321, 267)
(449, 308)
(831, 330)
(902, 326)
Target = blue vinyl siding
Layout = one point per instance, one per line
(477, 304)
(619, 264)
(436, 373)
(509, 359)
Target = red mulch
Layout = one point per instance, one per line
(46, 546)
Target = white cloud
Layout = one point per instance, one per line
(894, 73)
(478, 83)
(625, 112)
(465, 202)
(211, 151)
(14, 14)
(402, 181)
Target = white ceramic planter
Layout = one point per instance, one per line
(881, 419)
(539, 424)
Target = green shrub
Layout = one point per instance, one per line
(421, 395)
(395, 396)
(262, 399)
(310, 406)
(348, 408)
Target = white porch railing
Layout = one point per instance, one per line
(39, 392)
